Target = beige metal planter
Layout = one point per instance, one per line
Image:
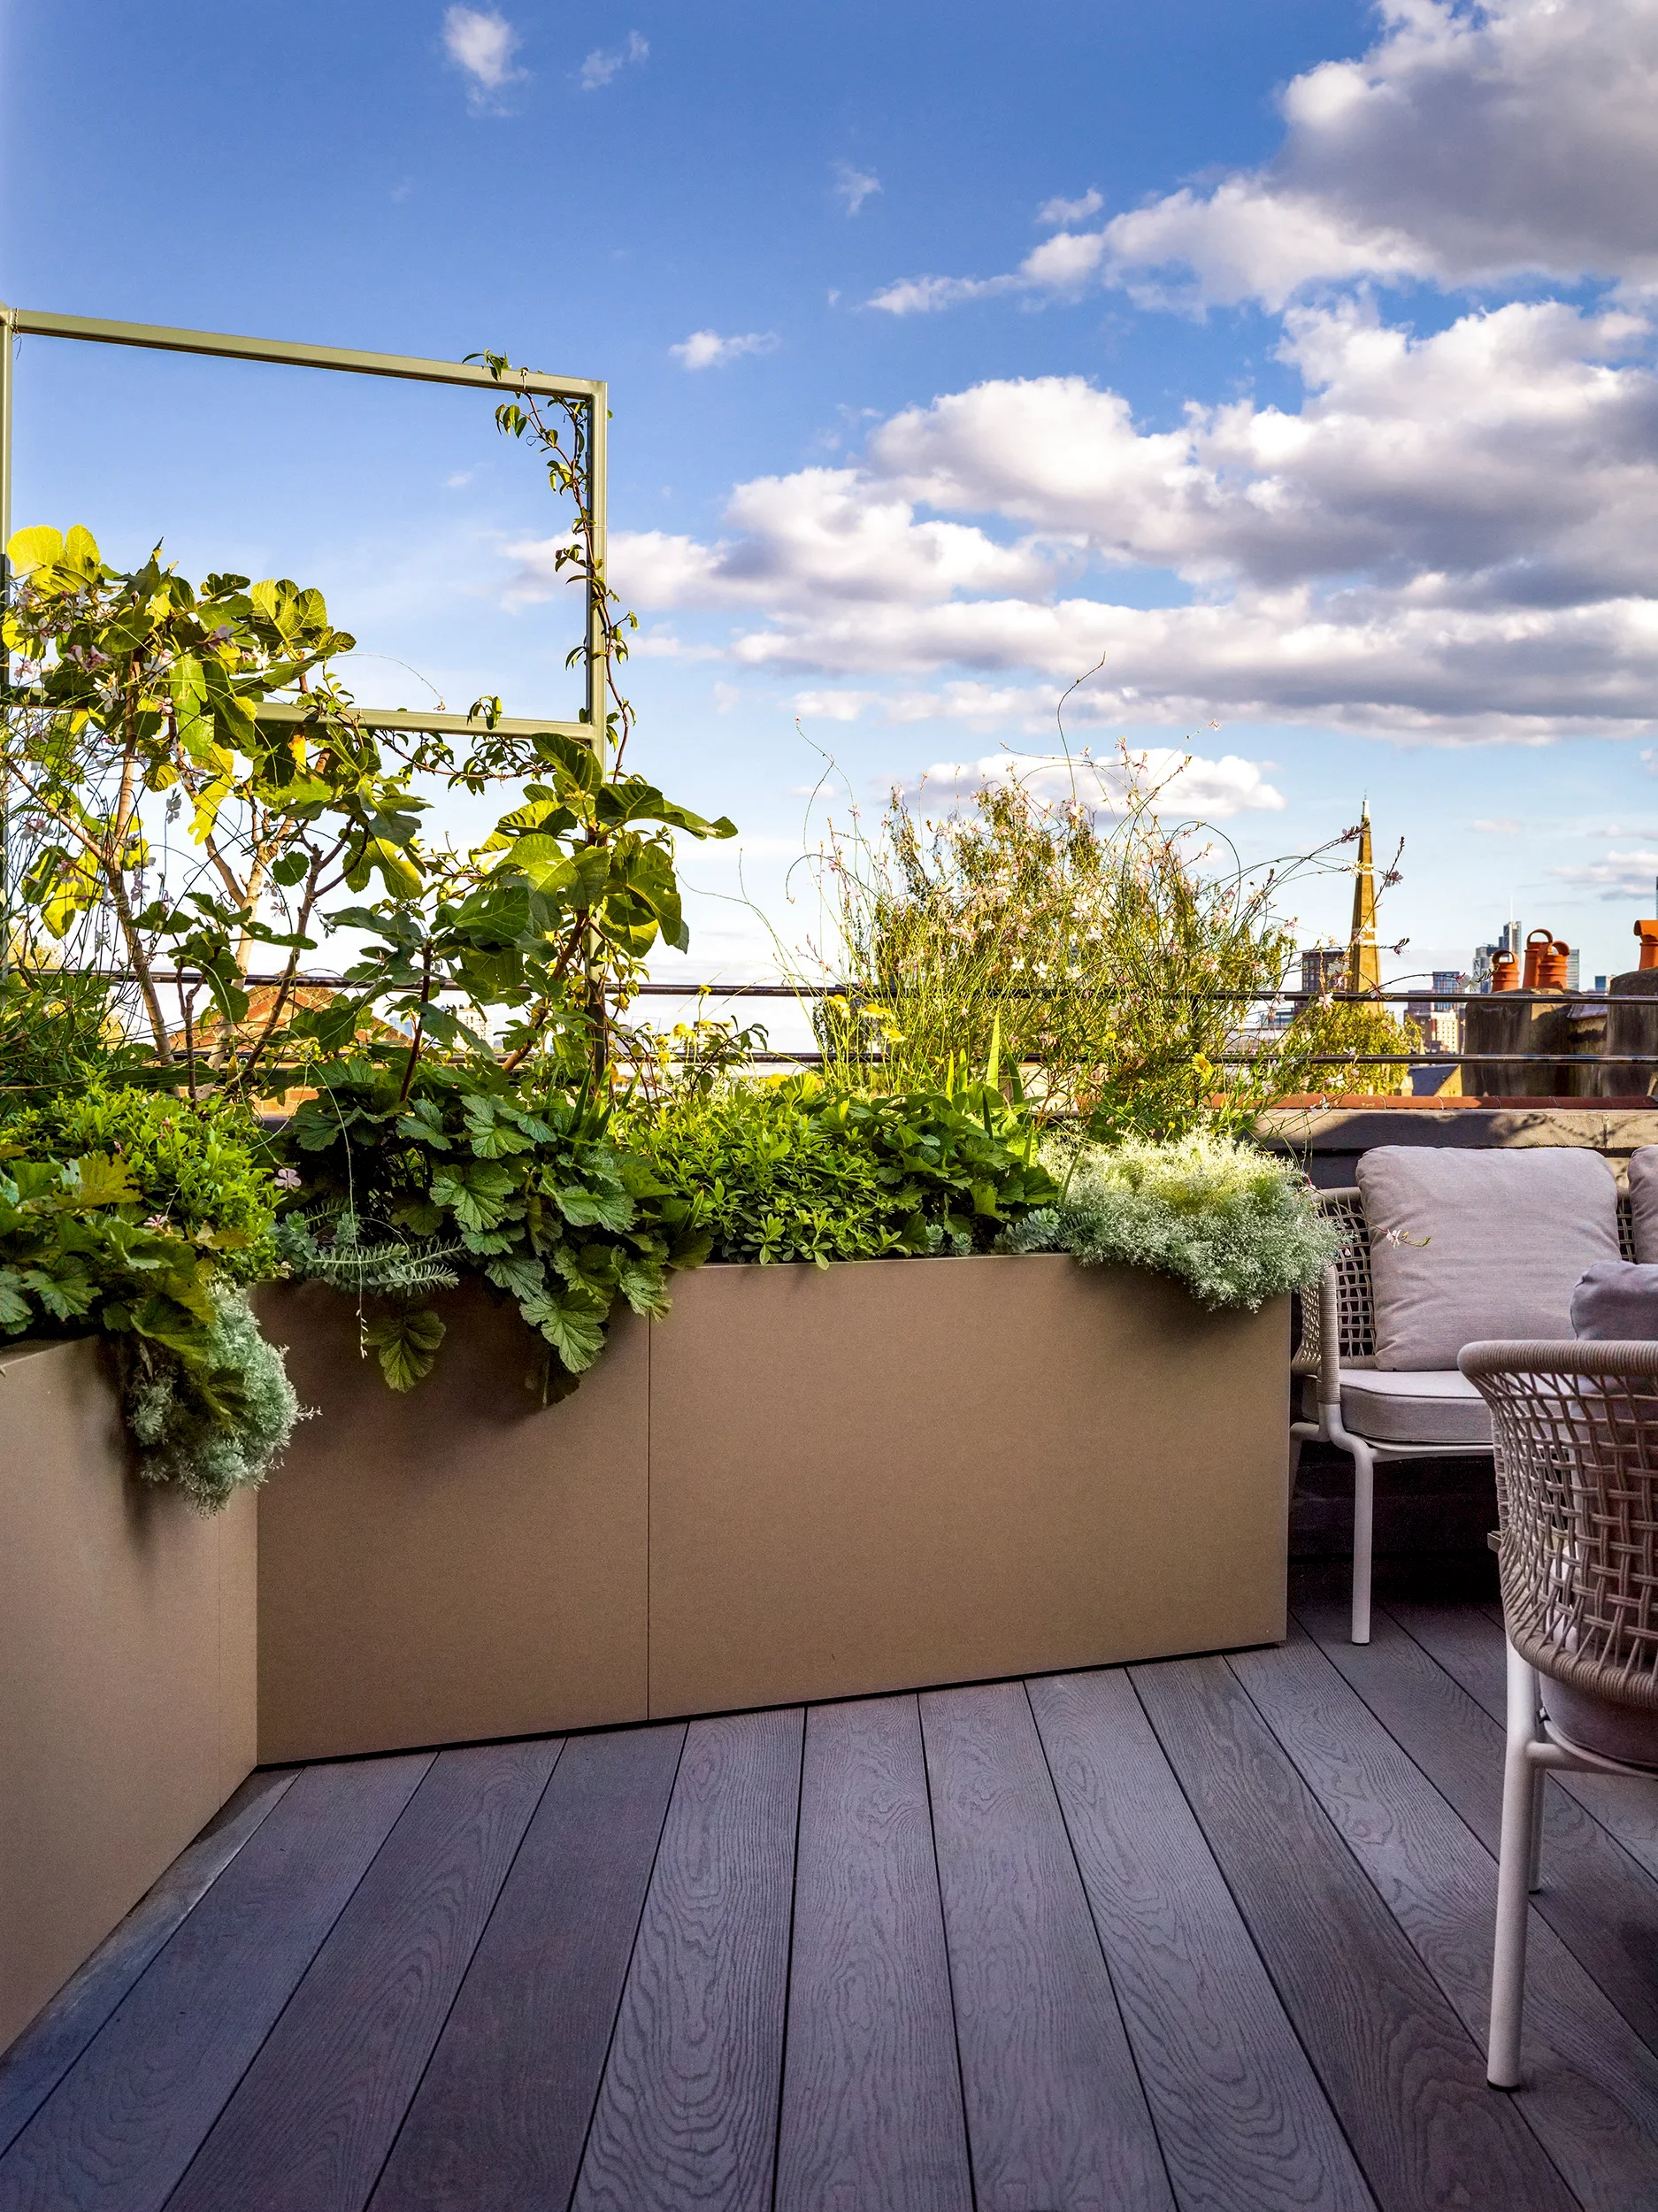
(126, 1669)
(803, 1483)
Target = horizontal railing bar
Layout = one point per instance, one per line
(289, 354)
(276, 713)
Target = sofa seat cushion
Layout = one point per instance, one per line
(1466, 1246)
(1434, 1405)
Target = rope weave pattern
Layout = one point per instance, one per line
(1575, 1431)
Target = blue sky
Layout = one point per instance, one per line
(1296, 357)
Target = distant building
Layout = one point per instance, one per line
(1324, 968)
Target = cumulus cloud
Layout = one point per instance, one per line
(855, 186)
(601, 64)
(1052, 213)
(481, 44)
(1445, 541)
(1620, 876)
(707, 349)
(1186, 783)
(1470, 144)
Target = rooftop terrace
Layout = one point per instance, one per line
(1209, 1933)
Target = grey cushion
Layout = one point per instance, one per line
(1643, 1202)
(1435, 1406)
(1616, 1732)
(1465, 1246)
(1617, 1302)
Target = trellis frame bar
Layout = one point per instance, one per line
(16, 322)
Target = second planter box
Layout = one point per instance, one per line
(801, 1484)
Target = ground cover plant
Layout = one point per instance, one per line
(798, 1169)
(1232, 1224)
(143, 1218)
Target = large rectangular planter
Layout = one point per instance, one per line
(126, 1669)
(801, 1484)
(457, 1563)
(917, 1472)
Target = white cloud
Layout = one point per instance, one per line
(481, 42)
(707, 349)
(823, 535)
(832, 706)
(1499, 826)
(1620, 876)
(1186, 783)
(1053, 212)
(1445, 541)
(1470, 144)
(601, 66)
(855, 186)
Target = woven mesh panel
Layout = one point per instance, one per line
(1626, 1226)
(1574, 1430)
(1356, 1316)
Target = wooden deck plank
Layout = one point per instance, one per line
(312, 2119)
(1470, 1646)
(501, 2115)
(872, 2113)
(1602, 1905)
(1056, 2114)
(119, 2130)
(1404, 2075)
(1244, 2123)
(688, 2111)
(1591, 2086)
(48, 2046)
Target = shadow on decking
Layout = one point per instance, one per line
(1212, 1932)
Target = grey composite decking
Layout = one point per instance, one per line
(1211, 1934)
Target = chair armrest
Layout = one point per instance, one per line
(1329, 1338)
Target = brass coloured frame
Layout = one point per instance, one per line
(16, 322)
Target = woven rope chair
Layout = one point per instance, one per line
(1338, 1334)
(1575, 1434)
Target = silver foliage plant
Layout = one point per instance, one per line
(1234, 1226)
(180, 1440)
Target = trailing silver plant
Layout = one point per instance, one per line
(1232, 1224)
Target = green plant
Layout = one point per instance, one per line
(201, 1170)
(792, 1170)
(1328, 1032)
(1115, 956)
(1234, 1226)
(412, 1177)
(182, 1429)
(207, 1400)
(136, 686)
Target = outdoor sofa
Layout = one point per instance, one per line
(1443, 1249)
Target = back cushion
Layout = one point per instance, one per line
(1643, 1202)
(1617, 1302)
(1466, 1246)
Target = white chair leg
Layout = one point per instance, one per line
(1513, 1871)
(1363, 1530)
(1534, 1877)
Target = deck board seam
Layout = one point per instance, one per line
(298, 1981)
(1284, 2007)
(949, 1966)
(621, 1989)
(788, 1954)
(461, 1980)
(1105, 1957)
(1427, 1782)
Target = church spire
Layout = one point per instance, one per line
(1364, 962)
